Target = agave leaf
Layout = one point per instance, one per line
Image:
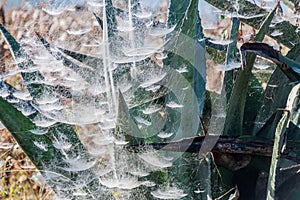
(287, 65)
(234, 119)
(91, 61)
(39, 142)
(126, 124)
(86, 73)
(290, 188)
(280, 130)
(294, 125)
(57, 129)
(295, 66)
(231, 55)
(40, 148)
(180, 55)
(31, 79)
(185, 49)
(276, 94)
(205, 172)
(25, 64)
(219, 101)
(293, 102)
(199, 72)
(110, 19)
(99, 20)
(20, 128)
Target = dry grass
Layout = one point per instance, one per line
(19, 178)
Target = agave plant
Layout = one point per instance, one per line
(145, 90)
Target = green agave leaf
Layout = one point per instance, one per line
(25, 64)
(86, 73)
(218, 109)
(274, 98)
(39, 142)
(289, 67)
(125, 123)
(20, 127)
(57, 129)
(280, 130)
(231, 55)
(287, 182)
(294, 124)
(199, 72)
(31, 79)
(88, 60)
(293, 102)
(295, 66)
(110, 19)
(39, 148)
(187, 33)
(179, 56)
(205, 172)
(235, 117)
(99, 20)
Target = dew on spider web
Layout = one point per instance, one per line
(125, 26)
(182, 70)
(13, 100)
(9, 74)
(120, 142)
(173, 104)
(228, 66)
(276, 33)
(248, 16)
(127, 183)
(151, 80)
(53, 12)
(261, 66)
(39, 131)
(153, 88)
(164, 135)
(42, 121)
(142, 121)
(77, 164)
(151, 109)
(155, 160)
(139, 173)
(222, 42)
(143, 15)
(41, 145)
(141, 51)
(78, 31)
(25, 107)
(168, 193)
(130, 59)
(161, 32)
(63, 145)
(97, 151)
(149, 184)
(96, 3)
